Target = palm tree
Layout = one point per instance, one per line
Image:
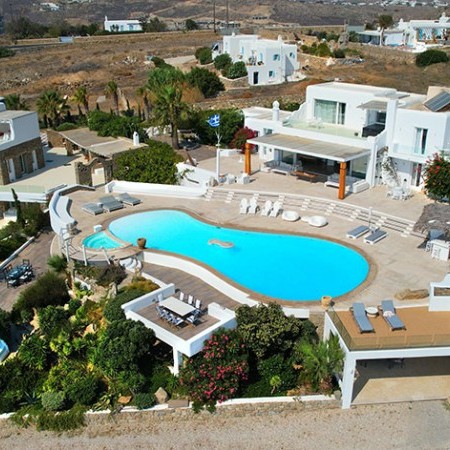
(15, 102)
(143, 93)
(167, 86)
(112, 90)
(81, 98)
(51, 106)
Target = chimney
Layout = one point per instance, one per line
(276, 111)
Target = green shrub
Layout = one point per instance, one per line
(74, 304)
(223, 61)
(203, 55)
(141, 284)
(5, 325)
(159, 62)
(207, 81)
(82, 388)
(52, 320)
(66, 126)
(53, 401)
(339, 53)
(131, 382)
(237, 70)
(58, 263)
(323, 50)
(6, 52)
(144, 400)
(431, 56)
(113, 310)
(160, 378)
(34, 352)
(111, 274)
(61, 421)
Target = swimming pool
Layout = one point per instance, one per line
(101, 240)
(283, 266)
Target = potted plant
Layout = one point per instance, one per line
(141, 242)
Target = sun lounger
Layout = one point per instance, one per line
(253, 206)
(390, 316)
(110, 203)
(276, 209)
(360, 316)
(243, 209)
(92, 208)
(128, 199)
(267, 208)
(375, 236)
(358, 232)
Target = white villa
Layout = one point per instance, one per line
(120, 26)
(415, 35)
(344, 130)
(267, 61)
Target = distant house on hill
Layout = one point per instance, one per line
(20, 144)
(267, 61)
(121, 26)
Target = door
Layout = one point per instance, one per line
(35, 163)
(11, 170)
(255, 77)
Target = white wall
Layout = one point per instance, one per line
(23, 129)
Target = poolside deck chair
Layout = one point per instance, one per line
(110, 203)
(267, 208)
(360, 316)
(92, 208)
(358, 232)
(126, 198)
(390, 316)
(253, 206)
(276, 209)
(243, 209)
(375, 236)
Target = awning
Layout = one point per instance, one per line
(376, 105)
(309, 147)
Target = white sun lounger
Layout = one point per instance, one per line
(375, 236)
(243, 209)
(267, 208)
(92, 208)
(253, 206)
(276, 209)
(358, 232)
(126, 198)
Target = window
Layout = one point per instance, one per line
(421, 141)
(381, 117)
(271, 73)
(22, 163)
(267, 131)
(330, 112)
(291, 55)
(276, 57)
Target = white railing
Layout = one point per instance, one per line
(159, 190)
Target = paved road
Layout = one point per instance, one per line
(38, 252)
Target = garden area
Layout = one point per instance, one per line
(77, 352)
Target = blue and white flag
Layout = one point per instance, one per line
(214, 120)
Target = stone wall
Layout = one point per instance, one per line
(25, 150)
(54, 138)
(83, 172)
(384, 54)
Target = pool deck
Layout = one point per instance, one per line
(397, 262)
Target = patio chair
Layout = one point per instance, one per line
(182, 296)
(198, 304)
(126, 198)
(359, 314)
(358, 232)
(267, 208)
(190, 300)
(375, 236)
(243, 209)
(253, 206)
(174, 320)
(194, 318)
(92, 208)
(110, 203)
(390, 316)
(276, 209)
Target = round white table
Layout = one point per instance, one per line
(372, 311)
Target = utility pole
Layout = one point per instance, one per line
(228, 16)
(214, 15)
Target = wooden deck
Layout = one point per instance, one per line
(189, 285)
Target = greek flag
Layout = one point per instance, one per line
(214, 120)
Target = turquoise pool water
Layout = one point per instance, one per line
(100, 240)
(283, 266)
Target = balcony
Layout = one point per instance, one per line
(316, 125)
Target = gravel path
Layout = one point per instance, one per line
(424, 425)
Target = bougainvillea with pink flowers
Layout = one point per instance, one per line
(216, 374)
(437, 177)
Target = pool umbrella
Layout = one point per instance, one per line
(435, 216)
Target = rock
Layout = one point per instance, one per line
(124, 399)
(161, 396)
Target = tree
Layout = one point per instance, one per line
(51, 106)
(207, 81)
(123, 346)
(320, 361)
(203, 55)
(385, 21)
(15, 102)
(113, 310)
(223, 62)
(241, 136)
(154, 164)
(237, 70)
(323, 50)
(112, 91)
(191, 25)
(266, 330)
(431, 56)
(167, 86)
(437, 177)
(154, 25)
(144, 94)
(81, 98)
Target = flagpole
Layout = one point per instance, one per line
(218, 157)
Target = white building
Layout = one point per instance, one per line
(267, 61)
(415, 35)
(120, 26)
(342, 130)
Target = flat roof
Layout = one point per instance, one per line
(10, 114)
(310, 147)
(257, 112)
(338, 85)
(424, 328)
